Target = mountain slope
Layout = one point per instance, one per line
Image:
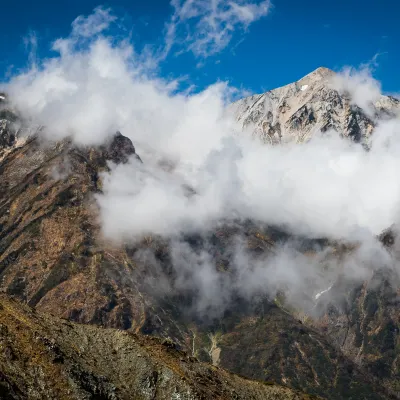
(53, 257)
(365, 323)
(43, 357)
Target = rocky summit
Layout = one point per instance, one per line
(313, 104)
(79, 316)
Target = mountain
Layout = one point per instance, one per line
(363, 321)
(54, 258)
(47, 358)
(301, 109)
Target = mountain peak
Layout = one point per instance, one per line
(118, 149)
(318, 74)
(301, 109)
(322, 71)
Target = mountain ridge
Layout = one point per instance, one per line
(53, 258)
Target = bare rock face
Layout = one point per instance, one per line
(8, 130)
(297, 111)
(7, 136)
(118, 149)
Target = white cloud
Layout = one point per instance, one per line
(323, 188)
(206, 27)
(199, 170)
(363, 89)
(89, 93)
(31, 45)
(95, 23)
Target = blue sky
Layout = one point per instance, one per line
(292, 40)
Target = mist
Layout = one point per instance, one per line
(199, 168)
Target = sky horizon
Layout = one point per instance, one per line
(278, 44)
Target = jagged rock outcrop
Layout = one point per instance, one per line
(119, 149)
(8, 128)
(297, 111)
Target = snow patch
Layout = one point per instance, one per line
(318, 295)
(303, 88)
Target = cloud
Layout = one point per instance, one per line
(344, 198)
(31, 45)
(199, 169)
(360, 85)
(95, 23)
(206, 27)
(91, 88)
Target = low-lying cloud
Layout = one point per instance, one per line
(326, 188)
(198, 168)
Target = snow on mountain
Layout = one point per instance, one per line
(297, 111)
